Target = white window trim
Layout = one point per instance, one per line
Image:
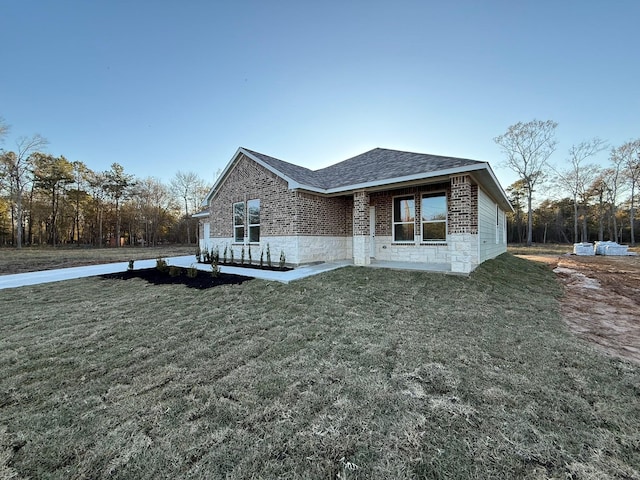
(249, 225)
(445, 221)
(235, 227)
(394, 223)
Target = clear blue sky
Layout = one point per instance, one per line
(161, 86)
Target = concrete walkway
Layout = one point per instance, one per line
(48, 276)
(57, 275)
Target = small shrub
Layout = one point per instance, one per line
(215, 256)
(283, 259)
(242, 255)
(249, 251)
(207, 256)
(130, 267)
(161, 265)
(198, 254)
(224, 255)
(174, 271)
(215, 269)
(231, 255)
(268, 256)
(192, 271)
(261, 258)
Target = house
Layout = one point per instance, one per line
(382, 205)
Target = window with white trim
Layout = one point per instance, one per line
(433, 212)
(238, 222)
(404, 215)
(253, 207)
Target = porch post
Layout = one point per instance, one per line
(463, 229)
(361, 228)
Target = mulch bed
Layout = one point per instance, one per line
(272, 268)
(201, 281)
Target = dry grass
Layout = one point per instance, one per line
(540, 249)
(357, 373)
(548, 249)
(31, 259)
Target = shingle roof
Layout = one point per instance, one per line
(297, 173)
(375, 165)
(382, 164)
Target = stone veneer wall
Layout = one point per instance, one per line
(297, 249)
(386, 250)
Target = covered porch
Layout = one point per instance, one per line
(375, 238)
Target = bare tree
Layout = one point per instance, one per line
(516, 193)
(157, 205)
(615, 183)
(189, 188)
(528, 147)
(629, 156)
(578, 178)
(598, 190)
(17, 169)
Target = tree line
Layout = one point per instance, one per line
(50, 200)
(46, 199)
(579, 201)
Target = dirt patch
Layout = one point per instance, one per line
(602, 300)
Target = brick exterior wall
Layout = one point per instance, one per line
(474, 209)
(360, 213)
(316, 215)
(282, 211)
(383, 201)
(463, 206)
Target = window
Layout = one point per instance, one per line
(403, 219)
(434, 217)
(254, 220)
(238, 222)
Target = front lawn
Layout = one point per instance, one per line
(31, 259)
(355, 373)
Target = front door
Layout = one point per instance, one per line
(372, 232)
